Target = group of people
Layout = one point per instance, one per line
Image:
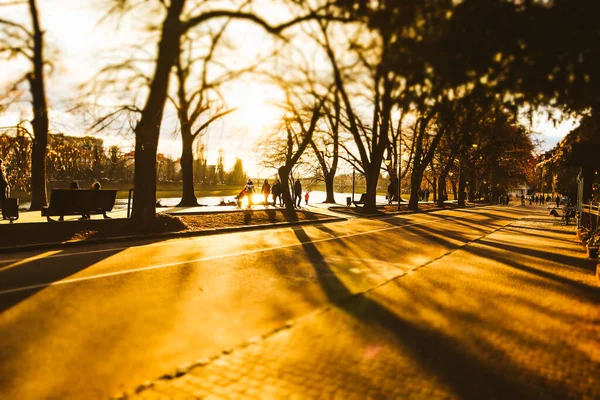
(275, 190)
(424, 194)
(536, 199)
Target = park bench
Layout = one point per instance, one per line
(79, 202)
(362, 200)
(565, 216)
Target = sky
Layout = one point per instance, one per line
(75, 28)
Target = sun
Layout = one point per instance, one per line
(257, 109)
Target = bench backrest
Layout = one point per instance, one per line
(74, 200)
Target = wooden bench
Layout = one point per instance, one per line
(79, 202)
(362, 200)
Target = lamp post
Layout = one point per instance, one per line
(353, 184)
(400, 171)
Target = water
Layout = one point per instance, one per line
(314, 197)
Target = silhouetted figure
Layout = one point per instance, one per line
(73, 186)
(522, 199)
(557, 201)
(266, 190)
(240, 197)
(306, 198)
(297, 193)
(276, 193)
(96, 186)
(249, 191)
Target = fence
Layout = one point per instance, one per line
(590, 216)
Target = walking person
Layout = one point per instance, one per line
(249, 192)
(297, 193)
(306, 198)
(3, 184)
(557, 201)
(266, 190)
(276, 193)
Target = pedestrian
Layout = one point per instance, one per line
(426, 194)
(557, 201)
(548, 200)
(297, 193)
(506, 199)
(306, 198)
(522, 199)
(4, 188)
(266, 190)
(276, 192)
(249, 192)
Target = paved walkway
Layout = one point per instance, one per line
(514, 314)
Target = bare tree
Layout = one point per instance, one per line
(326, 145)
(28, 42)
(176, 23)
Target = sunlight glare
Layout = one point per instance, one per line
(256, 107)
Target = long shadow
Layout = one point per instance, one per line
(562, 285)
(546, 230)
(543, 255)
(436, 352)
(521, 230)
(39, 274)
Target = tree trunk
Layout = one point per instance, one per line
(188, 197)
(147, 130)
(441, 189)
(415, 184)
(434, 188)
(462, 183)
(40, 116)
(288, 202)
(329, 198)
(454, 190)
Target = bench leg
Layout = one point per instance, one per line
(49, 219)
(105, 216)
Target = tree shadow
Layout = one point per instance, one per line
(439, 354)
(22, 279)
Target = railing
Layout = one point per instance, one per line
(590, 215)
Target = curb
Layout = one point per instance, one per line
(168, 235)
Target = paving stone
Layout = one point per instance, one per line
(506, 316)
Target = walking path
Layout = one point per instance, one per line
(512, 314)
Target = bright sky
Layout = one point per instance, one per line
(73, 27)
